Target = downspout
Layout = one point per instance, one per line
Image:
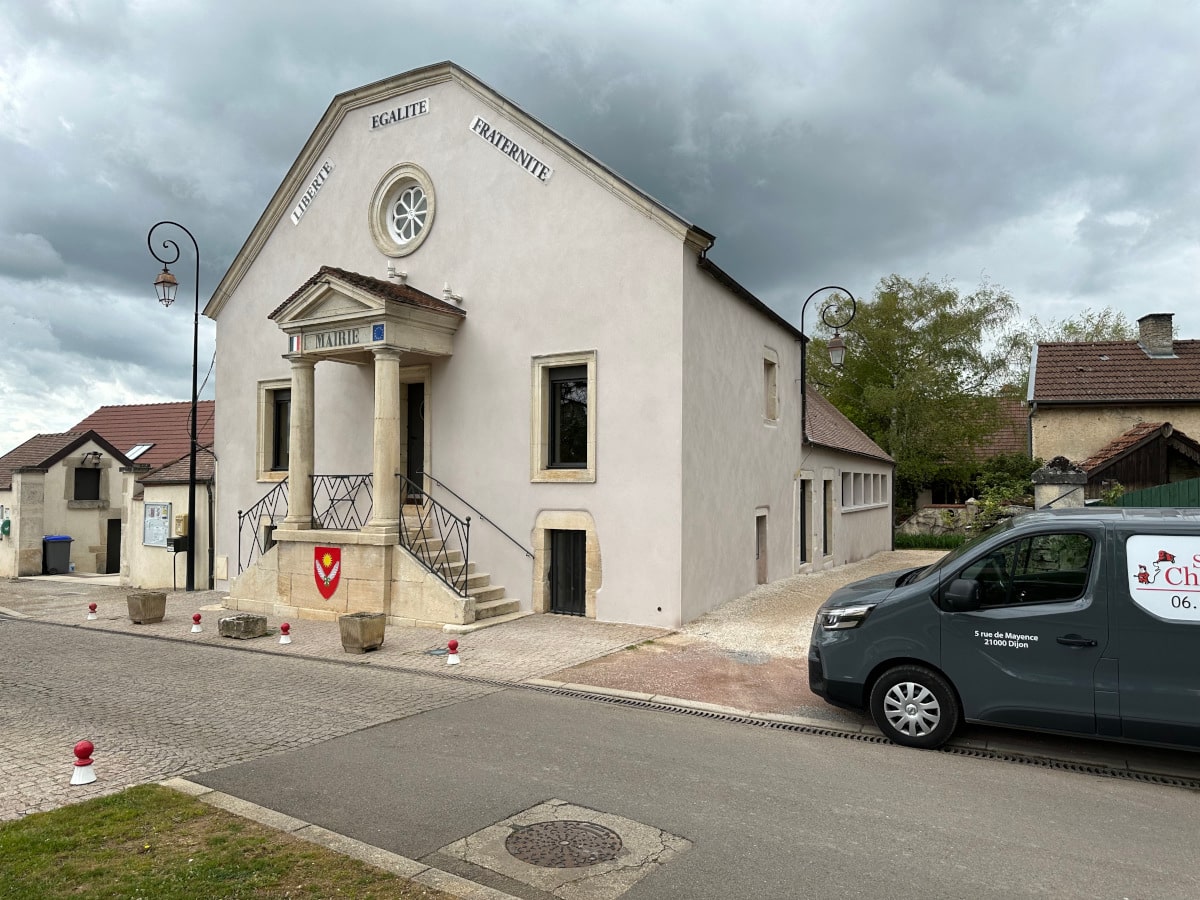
(1029, 399)
(211, 536)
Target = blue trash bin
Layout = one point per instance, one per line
(56, 554)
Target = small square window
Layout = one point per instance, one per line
(87, 484)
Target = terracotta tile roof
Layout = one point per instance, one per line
(829, 428)
(384, 290)
(1118, 371)
(1013, 434)
(44, 450)
(1139, 434)
(178, 471)
(165, 425)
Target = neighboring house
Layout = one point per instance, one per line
(447, 310)
(1084, 395)
(155, 436)
(1121, 411)
(73, 484)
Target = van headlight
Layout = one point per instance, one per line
(845, 617)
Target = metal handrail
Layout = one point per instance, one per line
(465, 503)
(447, 530)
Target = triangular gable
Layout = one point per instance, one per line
(45, 450)
(310, 157)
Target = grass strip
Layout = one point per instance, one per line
(152, 842)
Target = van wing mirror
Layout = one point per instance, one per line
(961, 595)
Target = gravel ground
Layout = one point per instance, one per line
(776, 619)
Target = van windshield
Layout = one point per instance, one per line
(960, 551)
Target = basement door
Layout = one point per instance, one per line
(568, 562)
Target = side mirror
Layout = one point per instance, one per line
(961, 595)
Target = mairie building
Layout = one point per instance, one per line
(466, 372)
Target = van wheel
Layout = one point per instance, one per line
(914, 706)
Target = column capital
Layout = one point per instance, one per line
(386, 353)
(299, 361)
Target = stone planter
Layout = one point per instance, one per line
(147, 607)
(362, 631)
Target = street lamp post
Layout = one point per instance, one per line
(837, 347)
(166, 285)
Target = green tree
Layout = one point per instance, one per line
(924, 363)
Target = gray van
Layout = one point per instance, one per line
(1074, 621)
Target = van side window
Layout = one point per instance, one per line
(1045, 568)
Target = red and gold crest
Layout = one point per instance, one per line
(327, 569)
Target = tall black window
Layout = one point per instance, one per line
(87, 484)
(281, 423)
(568, 417)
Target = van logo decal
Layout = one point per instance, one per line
(1164, 575)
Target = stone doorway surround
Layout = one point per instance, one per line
(564, 520)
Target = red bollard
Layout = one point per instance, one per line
(285, 633)
(452, 656)
(92, 612)
(196, 624)
(84, 773)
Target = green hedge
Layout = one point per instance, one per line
(929, 541)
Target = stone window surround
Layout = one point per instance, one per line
(539, 463)
(266, 427)
(879, 491)
(549, 520)
(73, 464)
(770, 386)
(390, 185)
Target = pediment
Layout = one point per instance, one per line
(328, 300)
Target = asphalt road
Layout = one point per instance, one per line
(769, 814)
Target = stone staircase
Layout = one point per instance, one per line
(488, 600)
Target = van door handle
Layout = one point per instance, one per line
(1074, 640)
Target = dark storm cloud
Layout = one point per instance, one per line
(1047, 146)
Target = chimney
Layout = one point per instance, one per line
(1155, 335)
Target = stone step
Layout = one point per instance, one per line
(451, 628)
(501, 607)
(484, 594)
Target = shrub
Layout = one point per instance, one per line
(929, 541)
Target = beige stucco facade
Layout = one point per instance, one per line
(150, 564)
(1077, 432)
(41, 502)
(556, 264)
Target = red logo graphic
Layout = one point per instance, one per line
(327, 569)
(1146, 577)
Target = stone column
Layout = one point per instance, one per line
(300, 446)
(385, 512)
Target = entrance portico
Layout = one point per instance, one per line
(353, 319)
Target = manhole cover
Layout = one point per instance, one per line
(563, 844)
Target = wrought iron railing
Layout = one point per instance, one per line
(272, 507)
(341, 502)
(434, 535)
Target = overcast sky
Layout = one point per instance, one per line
(1052, 148)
